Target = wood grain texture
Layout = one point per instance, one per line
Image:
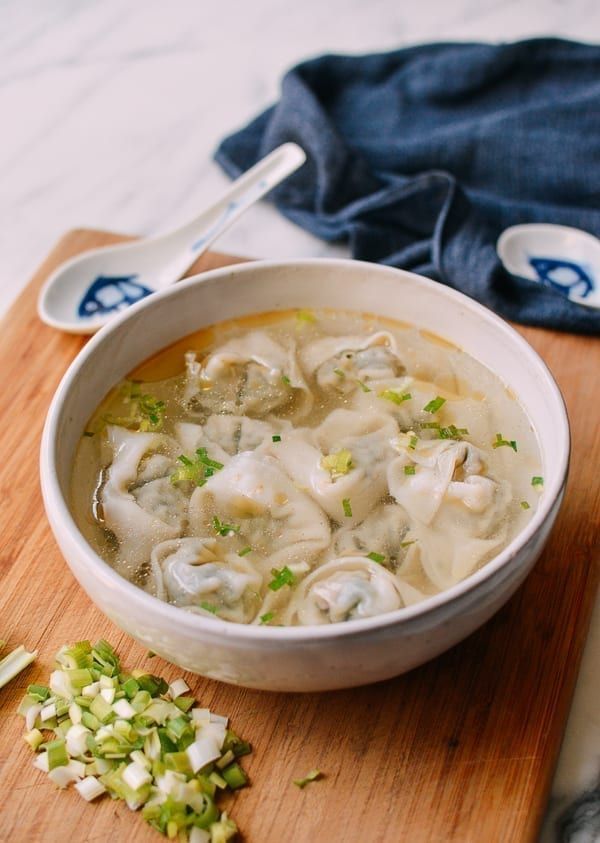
(459, 750)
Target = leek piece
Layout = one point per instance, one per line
(57, 754)
(14, 663)
(38, 692)
(309, 777)
(234, 776)
(101, 709)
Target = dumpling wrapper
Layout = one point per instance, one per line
(140, 504)
(188, 572)
(342, 362)
(270, 514)
(344, 589)
(250, 375)
(368, 439)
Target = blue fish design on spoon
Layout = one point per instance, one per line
(565, 276)
(109, 294)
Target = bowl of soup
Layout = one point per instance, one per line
(304, 475)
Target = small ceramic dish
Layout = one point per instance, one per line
(309, 658)
(565, 259)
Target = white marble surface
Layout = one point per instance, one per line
(110, 112)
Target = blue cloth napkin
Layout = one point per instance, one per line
(419, 158)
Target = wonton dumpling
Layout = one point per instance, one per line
(225, 436)
(382, 531)
(340, 362)
(140, 504)
(456, 511)
(190, 571)
(347, 588)
(247, 375)
(366, 437)
(270, 514)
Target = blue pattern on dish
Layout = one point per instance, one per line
(565, 276)
(109, 294)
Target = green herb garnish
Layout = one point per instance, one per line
(406, 544)
(501, 442)
(286, 380)
(395, 397)
(146, 412)
(266, 618)
(409, 469)
(276, 437)
(306, 316)
(209, 607)
(223, 529)
(337, 464)
(245, 551)
(281, 577)
(309, 777)
(340, 373)
(413, 443)
(450, 432)
(376, 557)
(524, 505)
(364, 387)
(196, 471)
(537, 481)
(347, 507)
(434, 405)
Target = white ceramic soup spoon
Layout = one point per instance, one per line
(86, 291)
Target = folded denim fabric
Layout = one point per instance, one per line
(421, 157)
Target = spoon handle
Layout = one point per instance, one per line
(195, 237)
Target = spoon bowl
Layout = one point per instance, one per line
(84, 293)
(565, 259)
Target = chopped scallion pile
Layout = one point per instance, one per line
(282, 576)
(309, 777)
(501, 442)
(151, 746)
(146, 412)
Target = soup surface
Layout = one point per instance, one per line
(305, 467)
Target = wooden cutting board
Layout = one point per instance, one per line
(462, 749)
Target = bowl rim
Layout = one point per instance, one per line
(61, 519)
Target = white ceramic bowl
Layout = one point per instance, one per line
(317, 657)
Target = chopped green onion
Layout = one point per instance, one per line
(340, 373)
(309, 777)
(347, 507)
(413, 443)
(268, 616)
(337, 464)
(364, 387)
(223, 529)
(407, 544)
(196, 471)
(409, 469)
(537, 481)
(286, 380)
(276, 437)
(281, 577)
(524, 505)
(376, 557)
(395, 397)
(245, 551)
(434, 405)
(149, 747)
(146, 412)
(501, 442)
(209, 607)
